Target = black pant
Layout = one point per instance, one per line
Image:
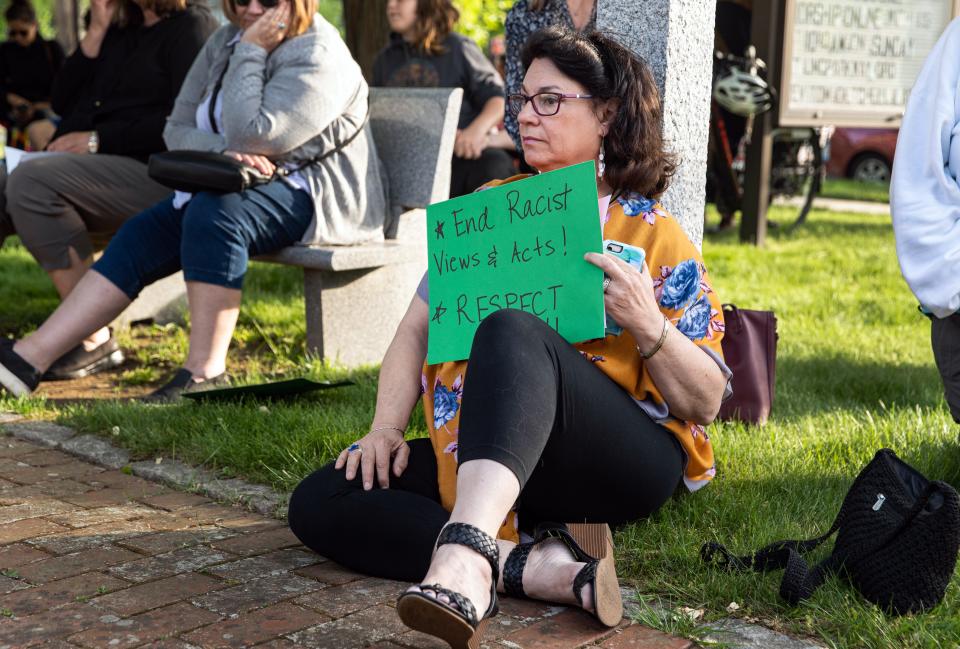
(579, 445)
(467, 174)
(945, 337)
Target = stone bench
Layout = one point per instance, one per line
(356, 295)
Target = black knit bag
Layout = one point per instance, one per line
(897, 540)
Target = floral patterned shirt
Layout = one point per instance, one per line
(686, 298)
(521, 22)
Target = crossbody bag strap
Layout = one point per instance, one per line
(212, 106)
(770, 557)
(282, 171)
(798, 581)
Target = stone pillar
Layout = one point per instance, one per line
(675, 38)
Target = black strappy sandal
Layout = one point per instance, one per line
(456, 622)
(600, 571)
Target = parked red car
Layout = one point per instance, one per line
(864, 154)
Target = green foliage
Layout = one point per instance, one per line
(482, 19)
(332, 10)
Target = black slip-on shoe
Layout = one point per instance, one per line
(78, 362)
(17, 376)
(182, 382)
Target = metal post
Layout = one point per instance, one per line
(766, 34)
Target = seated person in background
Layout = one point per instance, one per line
(925, 203)
(28, 65)
(423, 52)
(533, 428)
(275, 88)
(113, 95)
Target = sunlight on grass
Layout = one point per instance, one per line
(855, 373)
(855, 190)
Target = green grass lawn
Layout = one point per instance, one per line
(855, 374)
(855, 191)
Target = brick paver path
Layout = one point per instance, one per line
(91, 557)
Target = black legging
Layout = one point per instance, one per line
(579, 445)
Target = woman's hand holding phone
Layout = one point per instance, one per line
(270, 29)
(629, 297)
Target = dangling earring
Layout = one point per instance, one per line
(601, 165)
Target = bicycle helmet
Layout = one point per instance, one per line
(741, 92)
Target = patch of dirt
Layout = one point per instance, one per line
(105, 385)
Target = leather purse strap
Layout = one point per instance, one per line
(212, 106)
(282, 171)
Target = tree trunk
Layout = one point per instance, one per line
(367, 31)
(66, 22)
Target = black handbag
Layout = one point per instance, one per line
(897, 540)
(203, 171)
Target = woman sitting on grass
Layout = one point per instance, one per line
(539, 429)
(277, 87)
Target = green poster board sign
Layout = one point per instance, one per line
(519, 246)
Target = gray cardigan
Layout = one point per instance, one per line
(290, 105)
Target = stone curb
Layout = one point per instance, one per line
(97, 450)
(733, 633)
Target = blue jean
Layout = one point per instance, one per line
(211, 238)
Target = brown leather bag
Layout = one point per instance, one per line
(750, 351)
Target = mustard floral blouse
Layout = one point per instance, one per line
(685, 296)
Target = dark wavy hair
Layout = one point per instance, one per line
(635, 154)
(435, 20)
(21, 11)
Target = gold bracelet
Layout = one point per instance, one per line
(402, 431)
(656, 348)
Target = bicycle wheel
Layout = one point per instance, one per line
(812, 183)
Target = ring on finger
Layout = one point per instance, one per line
(354, 447)
(281, 25)
(606, 283)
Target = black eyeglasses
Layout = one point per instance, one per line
(266, 4)
(545, 104)
(17, 33)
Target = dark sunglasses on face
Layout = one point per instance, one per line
(20, 33)
(545, 104)
(266, 4)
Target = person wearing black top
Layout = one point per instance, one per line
(424, 53)
(113, 95)
(28, 65)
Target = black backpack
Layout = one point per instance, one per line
(897, 540)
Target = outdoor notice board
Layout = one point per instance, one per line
(853, 62)
(519, 246)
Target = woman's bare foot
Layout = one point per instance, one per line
(462, 570)
(549, 573)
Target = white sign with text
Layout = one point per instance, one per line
(853, 62)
